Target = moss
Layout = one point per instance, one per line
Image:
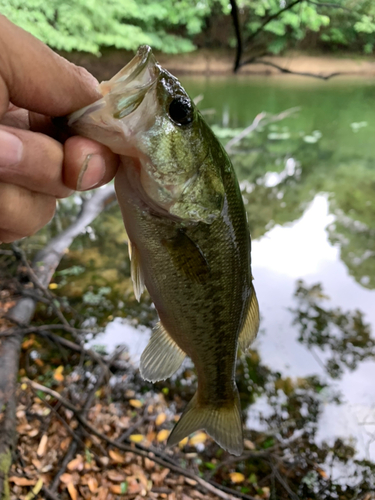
(5, 464)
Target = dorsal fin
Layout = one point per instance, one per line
(162, 356)
(251, 325)
(136, 271)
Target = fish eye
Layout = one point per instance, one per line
(181, 111)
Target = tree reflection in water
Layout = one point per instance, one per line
(342, 336)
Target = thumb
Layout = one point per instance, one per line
(34, 77)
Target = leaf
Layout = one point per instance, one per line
(66, 478)
(136, 438)
(162, 435)
(116, 457)
(33, 493)
(118, 489)
(72, 491)
(92, 483)
(116, 476)
(236, 477)
(136, 403)
(42, 446)
(198, 438)
(27, 343)
(160, 419)
(58, 376)
(22, 481)
(76, 464)
(249, 445)
(252, 478)
(183, 442)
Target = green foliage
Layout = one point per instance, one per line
(345, 23)
(88, 25)
(172, 26)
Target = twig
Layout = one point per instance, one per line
(261, 119)
(283, 482)
(256, 122)
(256, 60)
(152, 455)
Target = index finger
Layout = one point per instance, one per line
(34, 77)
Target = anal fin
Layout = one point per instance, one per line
(162, 356)
(136, 271)
(251, 325)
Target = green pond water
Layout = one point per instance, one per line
(308, 183)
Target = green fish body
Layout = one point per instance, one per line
(189, 238)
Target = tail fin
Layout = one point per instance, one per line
(223, 424)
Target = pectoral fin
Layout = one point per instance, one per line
(136, 271)
(188, 257)
(162, 356)
(251, 325)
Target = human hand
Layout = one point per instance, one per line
(35, 168)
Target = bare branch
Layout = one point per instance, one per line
(255, 60)
(261, 119)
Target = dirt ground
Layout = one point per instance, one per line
(212, 62)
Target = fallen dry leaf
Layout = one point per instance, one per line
(135, 403)
(27, 343)
(236, 477)
(198, 438)
(58, 374)
(162, 435)
(72, 491)
(66, 478)
(116, 457)
(103, 493)
(121, 489)
(265, 492)
(76, 464)
(116, 476)
(34, 492)
(22, 481)
(190, 481)
(160, 419)
(323, 473)
(249, 445)
(92, 483)
(183, 442)
(136, 438)
(42, 446)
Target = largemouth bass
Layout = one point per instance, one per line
(189, 238)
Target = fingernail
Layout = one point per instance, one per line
(10, 149)
(92, 172)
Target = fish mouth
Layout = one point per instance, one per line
(124, 92)
(127, 88)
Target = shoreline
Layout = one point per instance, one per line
(204, 62)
